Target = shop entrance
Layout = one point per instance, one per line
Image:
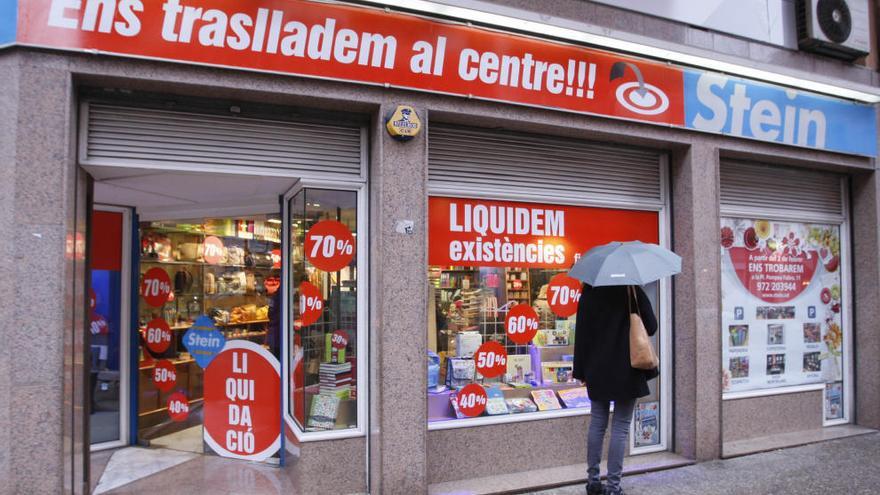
(203, 261)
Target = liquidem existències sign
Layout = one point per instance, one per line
(367, 45)
(472, 232)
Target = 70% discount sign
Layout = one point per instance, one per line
(330, 245)
(156, 287)
(521, 324)
(563, 294)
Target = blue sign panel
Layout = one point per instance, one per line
(738, 107)
(8, 21)
(203, 341)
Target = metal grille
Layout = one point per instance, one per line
(476, 160)
(131, 136)
(780, 191)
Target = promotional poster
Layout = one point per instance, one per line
(781, 304)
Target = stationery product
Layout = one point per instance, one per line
(556, 371)
(459, 372)
(551, 337)
(574, 397)
(433, 369)
(322, 415)
(521, 405)
(335, 379)
(495, 404)
(518, 365)
(467, 343)
(546, 400)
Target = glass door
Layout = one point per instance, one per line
(109, 319)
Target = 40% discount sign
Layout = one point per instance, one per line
(563, 294)
(330, 245)
(521, 324)
(472, 400)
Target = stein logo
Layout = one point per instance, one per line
(403, 123)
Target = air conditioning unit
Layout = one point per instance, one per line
(836, 28)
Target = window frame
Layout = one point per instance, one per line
(362, 347)
(665, 311)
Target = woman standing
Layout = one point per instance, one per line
(601, 360)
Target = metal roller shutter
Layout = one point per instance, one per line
(479, 161)
(150, 138)
(760, 189)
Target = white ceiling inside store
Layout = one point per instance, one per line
(171, 195)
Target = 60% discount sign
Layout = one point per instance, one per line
(311, 305)
(158, 336)
(330, 245)
(521, 324)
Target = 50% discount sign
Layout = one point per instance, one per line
(491, 359)
(521, 324)
(165, 375)
(311, 305)
(563, 294)
(330, 245)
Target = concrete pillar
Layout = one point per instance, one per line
(42, 434)
(398, 336)
(866, 293)
(697, 296)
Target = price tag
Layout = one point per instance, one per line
(563, 294)
(178, 407)
(491, 359)
(311, 305)
(164, 375)
(156, 287)
(521, 324)
(339, 339)
(158, 336)
(213, 250)
(472, 400)
(98, 325)
(329, 245)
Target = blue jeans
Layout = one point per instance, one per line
(623, 411)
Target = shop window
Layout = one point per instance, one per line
(783, 308)
(323, 386)
(502, 309)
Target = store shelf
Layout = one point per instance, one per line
(240, 323)
(154, 411)
(155, 261)
(175, 362)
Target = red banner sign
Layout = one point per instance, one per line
(365, 45)
(471, 232)
(774, 277)
(242, 402)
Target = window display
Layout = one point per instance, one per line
(217, 276)
(502, 317)
(324, 310)
(781, 304)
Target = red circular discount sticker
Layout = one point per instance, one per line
(563, 294)
(311, 305)
(491, 359)
(339, 339)
(98, 325)
(158, 336)
(213, 250)
(472, 400)
(521, 324)
(178, 407)
(155, 287)
(329, 245)
(164, 375)
(242, 400)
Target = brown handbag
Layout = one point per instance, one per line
(641, 353)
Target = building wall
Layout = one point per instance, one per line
(762, 416)
(37, 181)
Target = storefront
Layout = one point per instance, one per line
(333, 239)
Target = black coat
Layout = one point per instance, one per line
(601, 343)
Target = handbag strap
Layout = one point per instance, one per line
(631, 291)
